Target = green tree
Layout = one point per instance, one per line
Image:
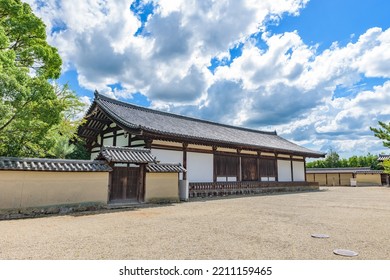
(34, 113)
(332, 159)
(386, 166)
(382, 133)
(62, 134)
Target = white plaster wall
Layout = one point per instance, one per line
(167, 156)
(108, 141)
(94, 155)
(200, 167)
(298, 171)
(138, 143)
(284, 171)
(121, 141)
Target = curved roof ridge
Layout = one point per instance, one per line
(141, 108)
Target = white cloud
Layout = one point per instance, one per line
(98, 38)
(286, 85)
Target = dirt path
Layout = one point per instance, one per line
(252, 227)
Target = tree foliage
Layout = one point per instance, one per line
(333, 160)
(386, 166)
(34, 112)
(383, 133)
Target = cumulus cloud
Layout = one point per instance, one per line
(277, 82)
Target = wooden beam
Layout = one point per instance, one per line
(105, 121)
(90, 128)
(111, 129)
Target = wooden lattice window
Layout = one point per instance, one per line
(249, 169)
(267, 168)
(226, 166)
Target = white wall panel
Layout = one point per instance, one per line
(200, 167)
(108, 141)
(299, 171)
(167, 156)
(284, 170)
(121, 141)
(94, 155)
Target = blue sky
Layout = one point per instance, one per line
(315, 71)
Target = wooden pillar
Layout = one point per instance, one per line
(304, 164)
(214, 165)
(141, 185)
(114, 139)
(148, 143)
(129, 140)
(101, 139)
(239, 167)
(258, 166)
(185, 145)
(110, 182)
(292, 169)
(276, 168)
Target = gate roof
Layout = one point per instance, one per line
(125, 155)
(58, 165)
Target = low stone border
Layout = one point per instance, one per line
(34, 212)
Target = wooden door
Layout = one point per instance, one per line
(125, 183)
(249, 168)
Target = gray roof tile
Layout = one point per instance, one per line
(44, 164)
(383, 157)
(356, 170)
(165, 168)
(125, 155)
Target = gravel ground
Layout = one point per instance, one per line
(250, 227)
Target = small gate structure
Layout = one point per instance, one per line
(125, 182)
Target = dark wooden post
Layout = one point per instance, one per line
(258, 166)
(185, 145)
(214, 165)
(128, 140)
(276, 168)
(239, 166)
(110, 182)
(141, 188)
(114, 139)
(148, 143)
(292, 169)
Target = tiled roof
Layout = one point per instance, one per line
(369, 171)
(383, 157)
(361, 170)
(125, 155)
(165, 168)
(155, 122)
(44, 164)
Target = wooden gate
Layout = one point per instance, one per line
(125, 183)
